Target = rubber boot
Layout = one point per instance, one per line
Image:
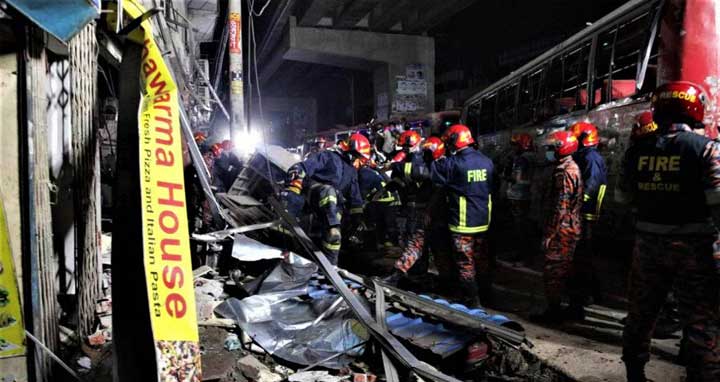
(635, 372)
(469, 294)
(553, 314)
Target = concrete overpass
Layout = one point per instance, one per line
(303, 43)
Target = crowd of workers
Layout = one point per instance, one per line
(445, 186)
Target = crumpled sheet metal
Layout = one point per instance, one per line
(287, 327)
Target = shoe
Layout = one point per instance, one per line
(551, 316)
(635, 373)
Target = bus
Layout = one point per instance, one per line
(603, 74)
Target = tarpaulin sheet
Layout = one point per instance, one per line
(302, 331)
(61, 18)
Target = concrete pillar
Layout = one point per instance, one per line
(390, 57)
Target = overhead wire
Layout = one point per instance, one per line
(253, 59)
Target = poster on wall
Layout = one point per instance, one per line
(166, 246)
(234, 32)
(12, 332)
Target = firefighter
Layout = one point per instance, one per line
(584, 282)
(563, 223)
(518, 192)
(413, 194)
(433, 234)
(319, 144)
(675, 186)
(325, 180)
(382, 204)
(466, 176)
(228, 165)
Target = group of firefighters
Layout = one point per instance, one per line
(444, 187)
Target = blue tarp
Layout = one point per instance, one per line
(61, 18)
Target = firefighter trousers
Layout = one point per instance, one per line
(473, 263)
(324, 203)
(558, 266)
(685, 263)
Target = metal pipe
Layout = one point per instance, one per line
(212, 90)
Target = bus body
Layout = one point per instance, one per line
(603, 74)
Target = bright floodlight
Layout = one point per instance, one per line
(246, 142)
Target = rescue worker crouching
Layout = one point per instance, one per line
(519, 195)
(325, 180)
(466, 176)
(675, 186)
(584, 282)
(562, 226)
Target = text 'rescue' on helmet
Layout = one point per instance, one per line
(457, 137)
(679, 102)
(644, 126)
(435, 147)
(586, 133)
(409, 139)
(522, 140)
(563, 143)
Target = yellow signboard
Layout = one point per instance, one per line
(12, 334)
(168, 270)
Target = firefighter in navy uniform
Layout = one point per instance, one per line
(584, 282)
(326, 180)
(466, 175)
(413, 194)
(675, 187)
(562, 225)
(381, 204)
(519, 195)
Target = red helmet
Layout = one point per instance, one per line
(216, 149)
(435, 146)
(358, 145)
(200, 137)
(457, 137)
(228, 145)
(409, 139)
(586, 133)
(522, 140)
(564, 143)
(644, 126)
(679, 102)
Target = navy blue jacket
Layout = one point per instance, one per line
(328, 167)
(594, 176)
(467, 177)
(413, 172)
(371, 182)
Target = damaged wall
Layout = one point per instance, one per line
(10, 186)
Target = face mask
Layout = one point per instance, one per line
(550, 156)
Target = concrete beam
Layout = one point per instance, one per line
(316, 10)
(353, 12)
(387, 14)
(427, 18)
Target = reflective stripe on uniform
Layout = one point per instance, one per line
(332, 247)
(356, 210)
(328, 199)
(462, 226)
(598, 205)
(408, 169)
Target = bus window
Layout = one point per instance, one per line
(486, 122)
(575, 64)
(507, 102)
(531, 97)
(629, 45)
